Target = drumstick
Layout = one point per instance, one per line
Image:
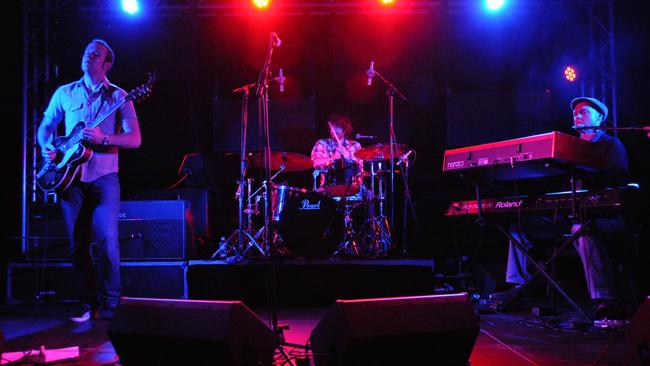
(336, 137)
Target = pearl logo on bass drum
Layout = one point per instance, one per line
(307, 205)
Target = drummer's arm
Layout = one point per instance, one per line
(320, 162)
(319, 155)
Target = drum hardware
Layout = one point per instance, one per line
(248, 241)
(394, 147)
(253, 201)
(315, 174)
(292, 162)
(240, 232)
(341, 178)
(375, 232)
(349, 244)
(408, 202)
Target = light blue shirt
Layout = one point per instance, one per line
(74, 103)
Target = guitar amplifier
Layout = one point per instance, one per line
(156, 230)
(200, 202)
(148, 230)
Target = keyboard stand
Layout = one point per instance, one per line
(541, 268)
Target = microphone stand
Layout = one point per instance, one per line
(262, 94)
(391, 91)
(239, 248)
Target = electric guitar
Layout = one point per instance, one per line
(57, 175)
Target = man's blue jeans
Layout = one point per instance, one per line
(90, 211)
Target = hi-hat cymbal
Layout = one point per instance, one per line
(293, 162)
(380, 151)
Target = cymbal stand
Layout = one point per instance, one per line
(240, 232)
(264, 187)
(391, 91)
(376, 230)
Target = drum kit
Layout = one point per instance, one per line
(341, 215)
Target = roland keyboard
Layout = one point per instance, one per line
(536, 156)
(605, 200)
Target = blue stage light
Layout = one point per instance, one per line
(130, 6)
(494, 5)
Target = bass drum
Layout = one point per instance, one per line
(311, 225)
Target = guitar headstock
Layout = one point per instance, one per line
(143, 91)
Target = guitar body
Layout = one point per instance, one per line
(71, 153)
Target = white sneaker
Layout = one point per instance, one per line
(80, 314)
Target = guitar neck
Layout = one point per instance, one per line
(110, 111)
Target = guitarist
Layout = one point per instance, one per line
(92, 202)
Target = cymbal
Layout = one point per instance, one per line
(380, 151)
(293, 162)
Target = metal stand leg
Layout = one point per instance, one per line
(376, 233)
(540, 268)
(241, 241)
(348, 244)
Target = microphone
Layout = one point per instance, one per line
(585, 127)
(371, 72)
(360, 136)
(281, 79)
(275, 40)
(405, 157)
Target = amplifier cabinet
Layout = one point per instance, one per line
(54, 280)
(156, 230)
(201, 200)
(148, 230)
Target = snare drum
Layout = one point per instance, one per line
(342, 178)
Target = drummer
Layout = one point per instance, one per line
(338, 146)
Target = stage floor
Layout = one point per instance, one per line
(514, 338)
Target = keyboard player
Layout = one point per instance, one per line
(589, 115)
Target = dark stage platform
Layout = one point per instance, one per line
(299, 282)
(306, 290)
(313, 282)
(504, 339)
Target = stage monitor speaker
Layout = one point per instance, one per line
(189, 332)
(431, 330)
(637, 336)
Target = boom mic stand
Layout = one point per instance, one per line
(263, 109)
(239, 248)
(391, 91)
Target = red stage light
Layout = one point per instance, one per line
(570, 73)
(261, 4)
(387, 2)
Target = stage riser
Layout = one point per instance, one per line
(298, 284)
(55, 280)
(307, 284)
